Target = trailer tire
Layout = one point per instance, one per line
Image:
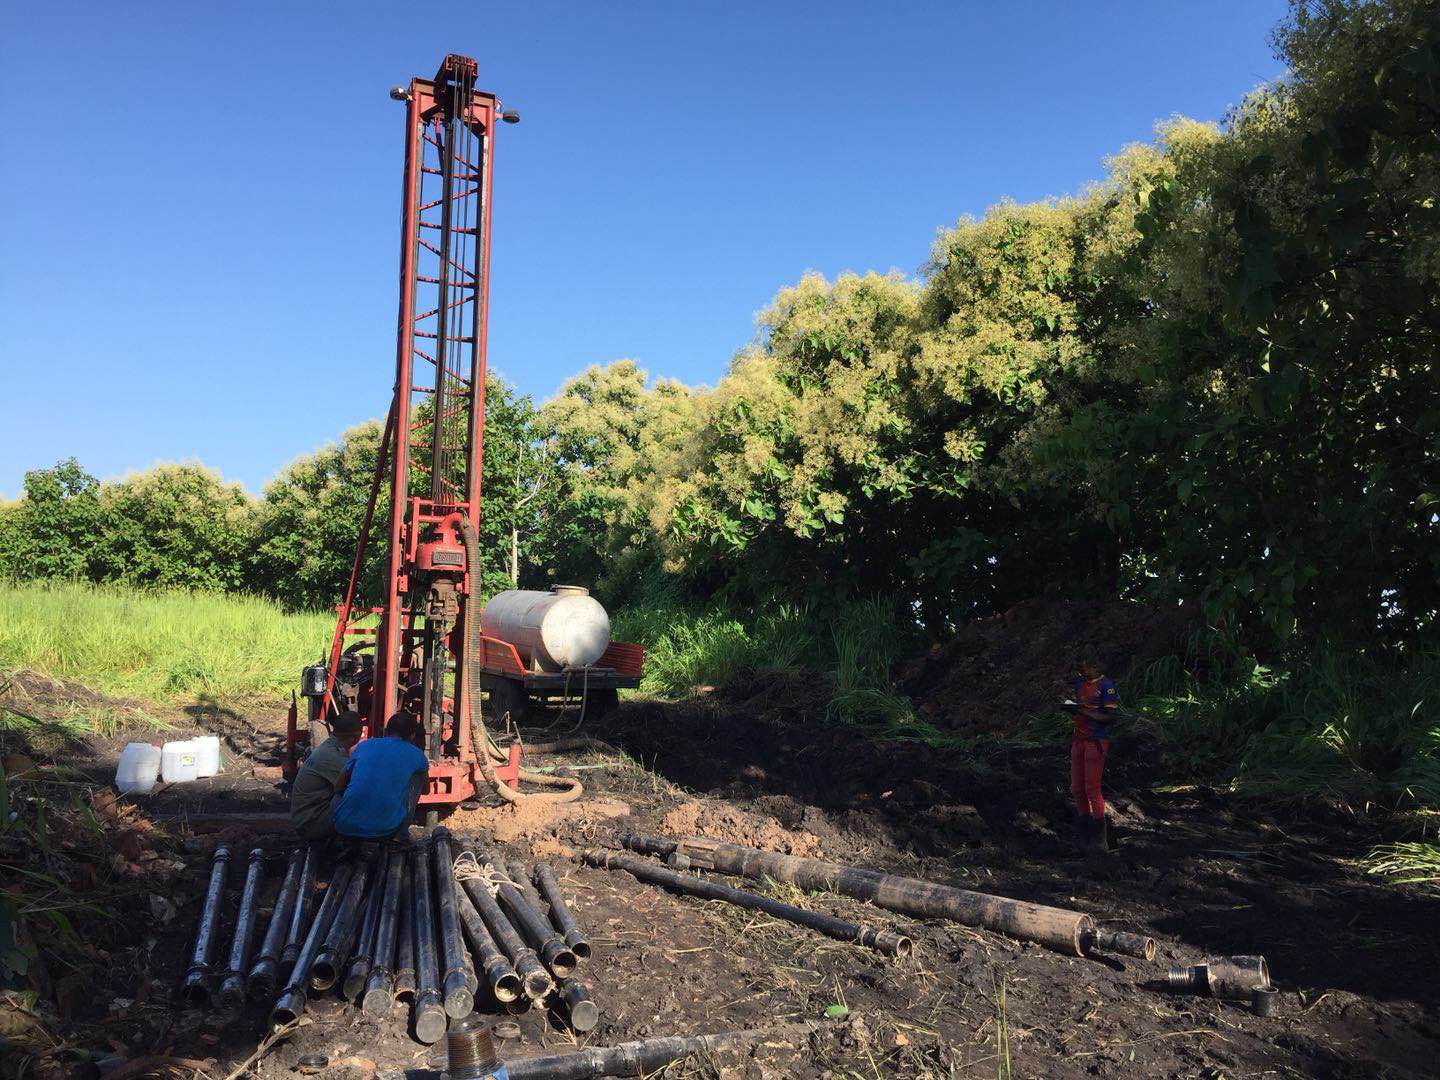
(602, 703)
(504, 696)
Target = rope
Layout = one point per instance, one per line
(467, 868)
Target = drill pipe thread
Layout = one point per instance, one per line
(290, 1005)
(303, 909)
(884, 941)
(266, 969)
(232, 991)
(470, 1050)
(1067, 932)
(523, 904)
(534, 979)
(429, 1011)
(357, 971)
(560, 914)
(196, 989)
(455, 987)
(331, 957)
(380, 983)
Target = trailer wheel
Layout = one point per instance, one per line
(504, 696)
(602, 703)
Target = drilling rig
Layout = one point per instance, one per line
(422, 648)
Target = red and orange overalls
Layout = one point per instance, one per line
(1096, 699)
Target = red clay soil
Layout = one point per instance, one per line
(997, 672)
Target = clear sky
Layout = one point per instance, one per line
(199, 201)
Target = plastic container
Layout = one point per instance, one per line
(139, 768)
(179, 763)
(207, 754)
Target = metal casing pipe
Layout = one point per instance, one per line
(403, 988)
(300, 914)
(560, 915)
(291, 1004)
(1124, 943)
(520, 899)
(458, 995)
(231, 997)
(563, 628)
(1230, 978)
(266, 970)
(572, 1000)
(1068, 932)
(196, 989)
(885, 941)
(429, 1012)
(380, 983)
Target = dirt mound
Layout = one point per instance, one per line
(722, 822)
(996, 672)
(540, 821)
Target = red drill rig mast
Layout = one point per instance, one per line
(419, 655)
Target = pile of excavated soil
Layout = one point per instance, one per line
(539, 821)
(722, 822)
(997, 672)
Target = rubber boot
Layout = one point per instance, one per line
(1080, 831)
(1100, 833)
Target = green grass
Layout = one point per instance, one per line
(157, 646)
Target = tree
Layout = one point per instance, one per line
(51, 531)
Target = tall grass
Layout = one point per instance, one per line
(157, 646)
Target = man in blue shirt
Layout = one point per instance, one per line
(381, 782)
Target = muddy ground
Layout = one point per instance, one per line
(1356, 961)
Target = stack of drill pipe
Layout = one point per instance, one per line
(458, 995)
(535, 982)
(885, 941)
(380, 976)
(527, 911)
(290, 1005)
(265, 970)
(570, 998)
(231, 996)
(301, 913)
(196, 989)
(330, 960)
(1069, 932)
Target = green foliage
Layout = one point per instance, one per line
(158, 646)
(52, 530)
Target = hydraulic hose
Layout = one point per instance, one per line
(486, 752)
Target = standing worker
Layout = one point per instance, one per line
(314, 784)
(381, 782)
(1094, 702)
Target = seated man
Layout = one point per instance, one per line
(314, 785)
(381, 782)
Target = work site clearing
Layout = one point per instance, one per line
(1204, 875)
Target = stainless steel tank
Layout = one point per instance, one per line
(565, 627)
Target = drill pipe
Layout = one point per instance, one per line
(560, 913)
(523, 903)
(266, 969)
(357, 971)
(1235, 978)
(429, 1012)
(331, 957)
(300, 913)
(291, 1002)
(232, 991)
(1064, 931)
(459, 997)
(644, 1058)
(499, 975)
(196, 989)
(534, 979)
(403, 989)
(572, 1001)
(381, 980)
(1126, 944)
(885, 941)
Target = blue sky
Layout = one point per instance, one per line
(200, 202)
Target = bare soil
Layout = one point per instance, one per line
(1204, 873)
